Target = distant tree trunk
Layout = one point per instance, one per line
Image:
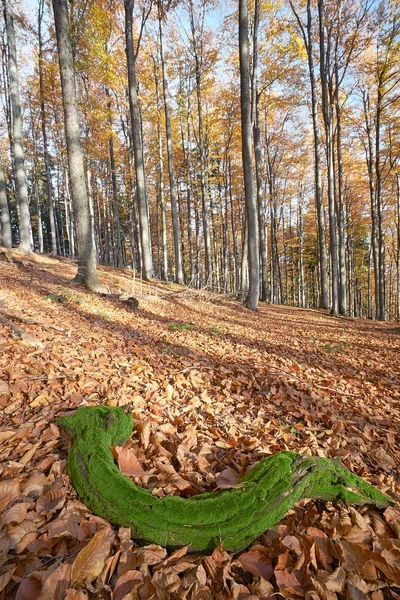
(114, 183)
(6, 235)
(328, 122)
(21, 184)
(398, 244)
(131, 55)
(198, 59)
(379, 207)
(369, 155)
(307, 34)
(244, 266)
(44, 134)
(171, 170)
(247, 160)
(234, 236)
(164, 253)
(87, 274)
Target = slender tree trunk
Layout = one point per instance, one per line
(198, 58)
(114, 183)
(164, 253)
(87, 273)
(147, 262)
(369, 154)
(379, 208)
(398, 244)
(340, 193)
(247, 159)
(234, 236)
(19, 158)
(328, 122)
(44, 134)
(307, 34)
(6, 235)
(171, 170)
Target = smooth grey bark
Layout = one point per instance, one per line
(44, 133)
(379, 202)
(164, 251)
(234, 236)
(340, 186)
(255, 117)
(6, 234)
(369, 156)
(171, 170)
(87, 274)
(329, 135)
(247, 159)
(307, 34)
(398, 244)
(198, 57)
(244, 265)
(131, 56)
(187, 161)
(114, 183)
(19, 158)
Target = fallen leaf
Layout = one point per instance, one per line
(56, 585)
(90, 561)
(257, 564)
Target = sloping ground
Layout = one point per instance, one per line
(213, 388)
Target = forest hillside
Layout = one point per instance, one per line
(213, 389)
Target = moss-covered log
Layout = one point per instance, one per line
(233, 516)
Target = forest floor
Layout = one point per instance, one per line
(214, 388)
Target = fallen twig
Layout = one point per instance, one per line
(31, 321)
(21, 334)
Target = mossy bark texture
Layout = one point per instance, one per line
(233, 516)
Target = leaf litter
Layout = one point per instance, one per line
(208, 403)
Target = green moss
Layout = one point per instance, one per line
(235, 516)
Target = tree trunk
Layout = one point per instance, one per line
(87, 274)
(307, 34)
(44, 134)
(147, 262)
(6, 235)
(198, 58)
(328, 122)
(398, 244)
(379, 208)
(164, 261)
(171, 170)
(114, 184)
(19, 159)
(247, 159)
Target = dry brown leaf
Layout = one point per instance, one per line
(56, 585)
(76, 595)
(125, 584)
(15, 514)
(9, 490)
(336, 580)
(28, 589)
(128, 462)
(149, 555)
(288, 583)
(6, 577)
(90, 561)
(257, 564)
(50, 502)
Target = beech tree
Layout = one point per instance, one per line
(87, 273)
(6, 235)
(21, 186)
(132, 51)
(247, 159)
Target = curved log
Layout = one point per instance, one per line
(233, 516)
